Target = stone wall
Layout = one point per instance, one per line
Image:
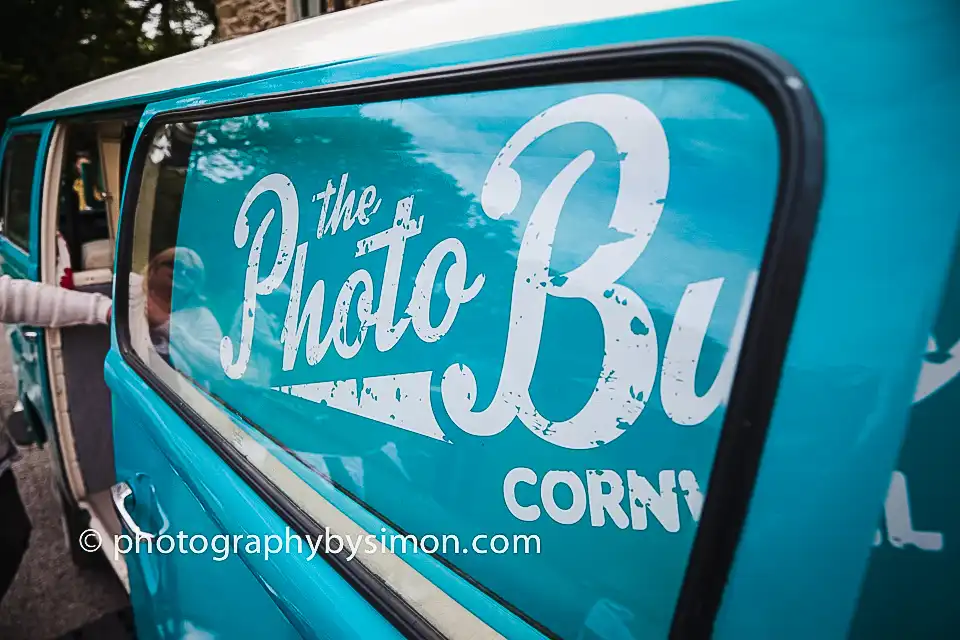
(242, 17)
(347, 4)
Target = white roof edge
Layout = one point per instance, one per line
(374, 29)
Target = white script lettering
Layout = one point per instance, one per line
(631, 357)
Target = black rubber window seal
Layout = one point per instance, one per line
(778, 86)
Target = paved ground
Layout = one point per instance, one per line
(50, 596)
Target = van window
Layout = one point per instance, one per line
(512, 317)
(19, 161)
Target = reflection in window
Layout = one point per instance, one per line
(169, 321)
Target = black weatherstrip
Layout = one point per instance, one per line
(754, 391)
(778, 86)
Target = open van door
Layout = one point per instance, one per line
(21, 180)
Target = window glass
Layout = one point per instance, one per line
(503, 313)
(19, 161)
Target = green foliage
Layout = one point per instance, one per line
(47, 46)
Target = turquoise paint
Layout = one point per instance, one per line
(15, 259)
(915, 548)
(882, 251)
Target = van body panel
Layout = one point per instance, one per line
(849, 381)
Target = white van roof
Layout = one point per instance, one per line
(373, 29)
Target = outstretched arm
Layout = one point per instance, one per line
(44, 305)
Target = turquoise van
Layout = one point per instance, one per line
(484, 318)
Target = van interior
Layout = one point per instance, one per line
(86, 169)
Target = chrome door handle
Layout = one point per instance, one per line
(30, 334)
(120, 492)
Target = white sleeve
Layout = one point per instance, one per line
(44, 305)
